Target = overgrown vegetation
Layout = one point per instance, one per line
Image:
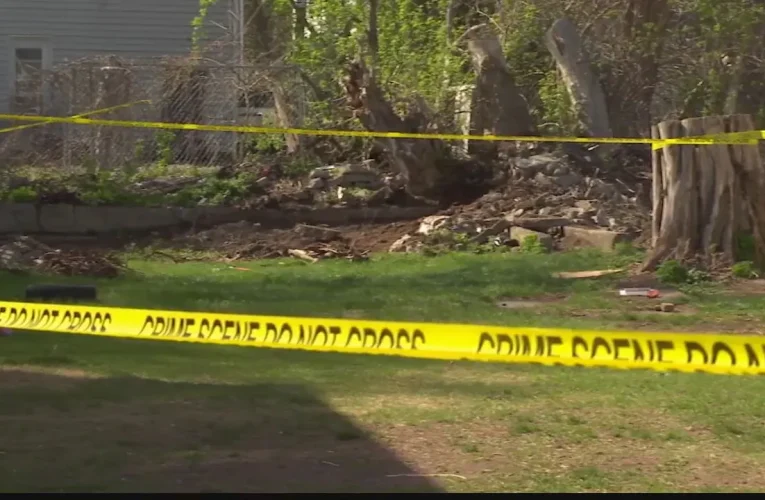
(655, 58)
(129, 188)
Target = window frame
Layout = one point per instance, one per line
(41, 43)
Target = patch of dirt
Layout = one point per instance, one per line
(29, 376)
(662, 450)
(746, 287)
(242, 240)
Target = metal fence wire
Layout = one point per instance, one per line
(171, 90)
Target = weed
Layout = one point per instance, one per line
(744, 270)
(214, 192)
(299, 166)
(532, 244)
(696, 276)
(165, 154)
(671, 271)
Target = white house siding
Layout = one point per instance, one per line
(76, 29)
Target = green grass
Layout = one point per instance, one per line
(455, 287)
(449, 288)
(96, 414)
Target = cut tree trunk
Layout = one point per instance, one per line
(706, 196)
(417, 161)
(498, 108)
(563, 43)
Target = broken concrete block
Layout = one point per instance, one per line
(603, 239)
(400, 245)
(350, 175)
(519, 234)
(573, 212)
(666, 307)
(323, 172)
(431, 223)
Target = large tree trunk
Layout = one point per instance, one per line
(705, 196)
(564, 44)
(498, 106)
(416, 160)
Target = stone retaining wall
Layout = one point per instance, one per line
(23, 218)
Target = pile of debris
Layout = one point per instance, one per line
(25, 254)
(245, 240)
(545, 197)
(346, 185)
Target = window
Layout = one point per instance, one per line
(29, 60)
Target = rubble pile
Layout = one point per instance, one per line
(25, 254)
(545, 197)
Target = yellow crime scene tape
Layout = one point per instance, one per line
(82, 115)
(740, 138)
(710, 353)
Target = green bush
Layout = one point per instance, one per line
(532, 244)
(671, 271)
(744, 270)
(22, 194)
(214, 192)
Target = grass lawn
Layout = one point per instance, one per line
(96, 414)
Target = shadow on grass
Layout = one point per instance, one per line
(65, 431)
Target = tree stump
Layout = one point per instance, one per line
(706, 196)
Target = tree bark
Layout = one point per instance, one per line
(374, 44)
(416, 160)
(645, 27)
(498, 106)
(705, 196)
(564, 44)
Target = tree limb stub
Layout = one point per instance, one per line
(498, 106)
(564, 44)
(415, 160)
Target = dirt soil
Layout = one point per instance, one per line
(543, 186)
(248, 241)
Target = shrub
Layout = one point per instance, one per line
(671, 271)
(744, 270)
(22, 194)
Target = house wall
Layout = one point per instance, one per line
(73, 29)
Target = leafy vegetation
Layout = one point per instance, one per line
(123, 187)
(744, 269)
(672, 57)
(671, 271)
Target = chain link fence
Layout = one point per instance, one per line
(176, 90)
